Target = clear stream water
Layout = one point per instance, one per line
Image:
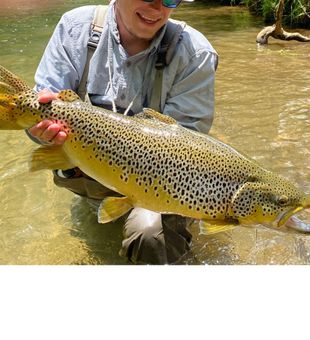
(262, 109)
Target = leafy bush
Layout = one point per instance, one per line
(296, 12)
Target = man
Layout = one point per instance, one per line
(122, 72)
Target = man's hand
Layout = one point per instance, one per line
(48, 131)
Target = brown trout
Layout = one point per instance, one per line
(153, 162)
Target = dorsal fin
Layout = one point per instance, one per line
(68, 96)
(152, 114)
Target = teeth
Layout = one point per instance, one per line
(148, 19)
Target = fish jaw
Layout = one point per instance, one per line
(294, 223)
(286, 216)
(272, 201)
(289, 220)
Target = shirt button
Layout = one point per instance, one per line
(123, 96)
(128, 63)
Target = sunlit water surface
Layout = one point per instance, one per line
(262, 109)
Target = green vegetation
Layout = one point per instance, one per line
(296, 12)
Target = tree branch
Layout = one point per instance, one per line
(276, 31)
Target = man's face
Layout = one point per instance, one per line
(140, 19)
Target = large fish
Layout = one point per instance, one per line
(153, 162)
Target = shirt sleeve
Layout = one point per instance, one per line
(191, 98)
(64, 57)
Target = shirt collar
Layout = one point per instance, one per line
(112, 23)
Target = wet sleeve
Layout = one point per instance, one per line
(191, 98)
(64, 57)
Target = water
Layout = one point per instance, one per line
(262, 109)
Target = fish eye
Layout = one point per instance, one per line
(283, 200)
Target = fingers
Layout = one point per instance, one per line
(45, 96)
(60, 138)
(48, 132)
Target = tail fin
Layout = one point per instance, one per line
(11, 84)
(11, 117)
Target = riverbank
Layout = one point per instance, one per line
(296, 13)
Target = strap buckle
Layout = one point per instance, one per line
(94, 39)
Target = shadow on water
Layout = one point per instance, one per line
(103, 241)
(262, 109)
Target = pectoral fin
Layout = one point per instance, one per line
(210, 227)
(111, 208)
(49, 157)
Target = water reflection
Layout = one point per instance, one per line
(102, 241)
(262, 109)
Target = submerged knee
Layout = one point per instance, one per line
(143, 238)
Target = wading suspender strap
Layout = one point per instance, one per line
(165, 54)
(96, 30)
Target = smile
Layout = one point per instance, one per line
(147, 19)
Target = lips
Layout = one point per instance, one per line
(148, 19)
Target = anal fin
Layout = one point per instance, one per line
(111, 208)
(49, 157)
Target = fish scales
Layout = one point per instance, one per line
(175, 173)
(154, 162)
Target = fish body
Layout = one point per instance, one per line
(152, 161)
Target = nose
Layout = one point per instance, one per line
(157, 4)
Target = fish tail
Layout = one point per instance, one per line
(11, 84)
(12, 116)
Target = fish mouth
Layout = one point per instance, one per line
(287, 215)
(288, 218)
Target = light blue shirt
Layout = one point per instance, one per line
(188, 81)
